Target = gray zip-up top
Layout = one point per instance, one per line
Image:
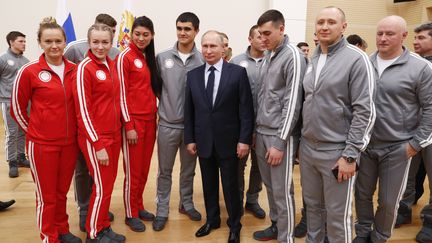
(10, 63)
(338, 111)
(173, 72)
(77, 50)
(280, 96)
(252, 67)
(404, 94)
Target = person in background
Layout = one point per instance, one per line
(357, 41)
(251, 59)
(10, 62)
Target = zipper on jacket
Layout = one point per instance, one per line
(67, 113)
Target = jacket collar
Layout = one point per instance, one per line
(9, 50)
(404, 57)
(97, 61)
(175, 49)
(284, 42)
(69, 66)
(134, 48)
(332, 49)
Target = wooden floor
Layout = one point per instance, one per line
(18, 223)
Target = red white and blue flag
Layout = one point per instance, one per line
(64, 18)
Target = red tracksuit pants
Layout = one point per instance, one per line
(52, 168)
(136, 164)
(103, 177)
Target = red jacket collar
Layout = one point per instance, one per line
(134, 48)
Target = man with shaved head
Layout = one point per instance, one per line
(218, 125)
(403, 95)
(338, 116)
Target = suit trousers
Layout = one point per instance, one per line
(390, 167)
(104, 177)
(279, 184)
(137, 158)
(52, 169)
(170, 140)
(326, 199)
(210, 183)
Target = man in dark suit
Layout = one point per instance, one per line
(218, 122)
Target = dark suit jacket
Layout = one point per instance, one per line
(230, 121)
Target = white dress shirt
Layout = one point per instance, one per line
(217, 73)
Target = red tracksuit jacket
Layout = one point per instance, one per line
(53, 119)
(97, 100)
(138, 101)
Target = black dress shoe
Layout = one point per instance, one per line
(234, 237)
(4, 205)
(205, 230)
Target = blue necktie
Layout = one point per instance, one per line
(210, 85)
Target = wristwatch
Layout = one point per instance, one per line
(350, 160)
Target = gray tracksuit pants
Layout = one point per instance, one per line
(409, 195)
(83, 183)
(255, 182)
(389, 166)
(326, 199)
(14, 137)
(169, 141)
(279, 184)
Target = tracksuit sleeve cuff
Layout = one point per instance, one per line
(279, 143)
(415, 145)
(98, 145)
(129, 126)
(351, 152)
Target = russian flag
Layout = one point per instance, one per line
(64, 18)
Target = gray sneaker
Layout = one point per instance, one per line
(135, 224)
(13, 169)
(23, 161)
(69, 238)
(107, 236)
(159, 223)
(193, 214)
(146, 215)
(267, 234)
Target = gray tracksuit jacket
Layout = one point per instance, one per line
(280, 93)
(252, 67)
(10, 63)
(404, 94)
(77, 50)
(339, 112)
(173, 72)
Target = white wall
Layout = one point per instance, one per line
(234, 17)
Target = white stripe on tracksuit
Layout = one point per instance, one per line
(82, 100)
(127, 186)
(371, 84)
(39, 197)
(5, 122)
(288, 184)
(294, 92)
(15, 104)
(98, 190)
(120, 70)
(348, 211)
(401, 191)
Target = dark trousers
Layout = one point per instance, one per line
(228, 168)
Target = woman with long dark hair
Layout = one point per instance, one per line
(141, 83)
